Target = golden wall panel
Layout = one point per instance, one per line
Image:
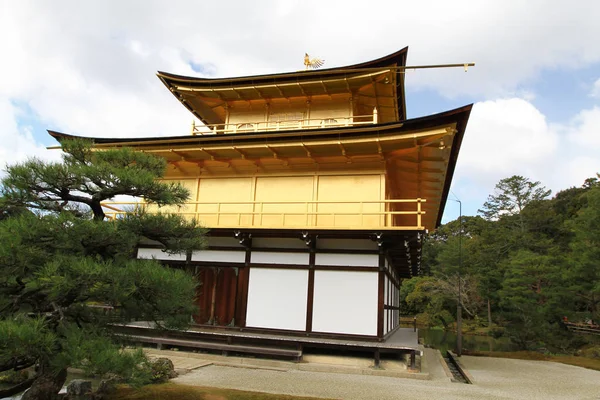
(213, 193)
(340, 112)
(349, 188)
(297, 189)
(309, 200)
(291, 115)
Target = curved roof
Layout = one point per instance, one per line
(420, 153)
(202, 96)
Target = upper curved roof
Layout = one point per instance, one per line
(190, 90)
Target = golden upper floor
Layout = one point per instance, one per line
(366, 93)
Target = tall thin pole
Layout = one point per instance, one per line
(459, 302)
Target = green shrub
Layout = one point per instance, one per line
(590, 352)
(496, 332)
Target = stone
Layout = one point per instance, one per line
(79, 387)
(163, 370)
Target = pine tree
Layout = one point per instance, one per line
(583, 272)
(62, 264)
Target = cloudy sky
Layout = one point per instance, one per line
(88, 68)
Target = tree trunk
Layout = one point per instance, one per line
(489, 312)
(97, 210)
(46, 385)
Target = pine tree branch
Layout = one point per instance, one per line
(18, 363)
(18, 388)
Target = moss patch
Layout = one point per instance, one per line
(171, 391)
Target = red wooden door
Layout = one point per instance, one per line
(216, 296)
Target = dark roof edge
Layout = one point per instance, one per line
(398, 57)
(461, 126)
(415, 123)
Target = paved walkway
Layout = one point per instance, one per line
(495, 378)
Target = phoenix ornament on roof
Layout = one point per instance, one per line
(314, 63)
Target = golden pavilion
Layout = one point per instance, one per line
(317, 191)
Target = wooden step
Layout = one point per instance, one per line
(225, 347)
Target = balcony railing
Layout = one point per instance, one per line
(284, 125)
(405, 214)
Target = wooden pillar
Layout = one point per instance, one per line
(381, 292)
(311, 285)
(243, 280)
(413, 360)
(377, 357)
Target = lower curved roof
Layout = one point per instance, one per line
(419, 155)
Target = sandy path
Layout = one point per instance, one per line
(495, 378)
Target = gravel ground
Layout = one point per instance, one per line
(495, 378)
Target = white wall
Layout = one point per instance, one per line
(160, 255)
(345, 302)
(386, 313)
(277, 298)
(219, 256)
(385, 321)
(347, 260)
(271, 257)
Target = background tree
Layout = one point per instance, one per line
(534, 259)
(511, 196)
(59, 264)
(582, 275)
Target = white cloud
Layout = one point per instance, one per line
(508, 137)
(585, 129)
(504, 137)
(89, 67)
(595, 92)
(16, 142)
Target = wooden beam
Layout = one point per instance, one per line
(242, 154)
(380, 292)
(311, 286)
(302, 90)
(325, 89)
(280, 91)
(245, 282)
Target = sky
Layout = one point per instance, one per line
(89, 68)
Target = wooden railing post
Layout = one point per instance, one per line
(307, 223)
(362, 217)
(419, 213)
(261, 213)
(388, 216)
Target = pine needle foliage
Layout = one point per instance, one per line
(67, 273)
